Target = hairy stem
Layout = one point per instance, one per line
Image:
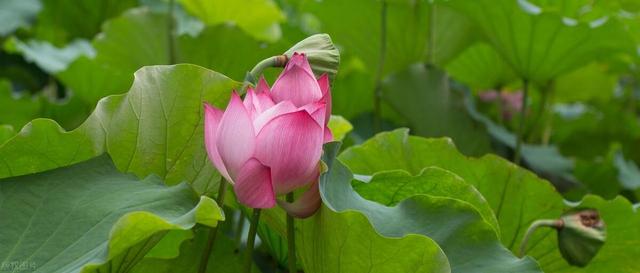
(377, 95)
(291, 238)
(213, 232)
(253, 75)
(533, 227)
(251, 239)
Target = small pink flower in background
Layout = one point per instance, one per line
(270, 143)
(510, 102)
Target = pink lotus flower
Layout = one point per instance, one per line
(271, 143)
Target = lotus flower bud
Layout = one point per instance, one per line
(323, 56)
(581, 236)
(270, 143)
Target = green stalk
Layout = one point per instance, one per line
(533, 227)
(253, 229)
(377, 94)
(171, 32)
(254, 74)
(213, 232)
(291, 237)
(523, 111)
(239, 229)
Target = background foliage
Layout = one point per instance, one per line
(103, 169)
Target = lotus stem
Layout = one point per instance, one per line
(533, 227)
(254, 74)
(171, 32)
(251, 239)
(523, 110)
(291, 238)
(213, 232)
(239, 229)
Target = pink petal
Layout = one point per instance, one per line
(323, 82)
(317, 111)
(328, 136)
(212, 118)
(296, 85)
(263, 86)
(262, 101)
(248, 102)
(236, 138)
(299, 59)
(291, 145)
(275, 111)
(306, 205)
(253, 185)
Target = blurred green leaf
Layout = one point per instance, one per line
(48, 57)
(259, 18)
(340, 127)
(540, 44)
(134, 40)
(481, 67)
(6, 132)
(543, 159)
(407, 30)
(628, 172)
(91, 218)
(591, 82)
(422, 96)
(17, 13)
(61, 21)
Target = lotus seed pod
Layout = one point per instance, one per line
(581, 236)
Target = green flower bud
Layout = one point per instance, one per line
(581, 235)
(322, 54)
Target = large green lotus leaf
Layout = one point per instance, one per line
(619, 252)
(134, 40)
(391, 187)
(17, 110)
(89, 217)
(154, 128)
(588, 83)
(407, 31)
(328, 241)
(481, 67)
(17, 13)
(421, 95)
(6, 132)
(470, 243)
(224, 258)
(61, 21)
(260, 18)
(542, 44)
(516, 196)
(157, 126)
(346, 242)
